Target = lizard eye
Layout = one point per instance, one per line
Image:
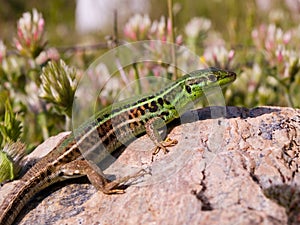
(188, 89)
(212, 78)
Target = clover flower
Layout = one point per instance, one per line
(283, 63)
(30, 31)
(142, 28)
(196, 29)
(288, 63)
(161, 30)
(58, 85)
(219, 56)
(274, 43)
(2, 51)
(48, 55)
(269, 39)
(158, 29)
(137, 27)
(196, 26)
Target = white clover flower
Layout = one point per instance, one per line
(141, 28)
(2, 51)
(30, 30)
(137, 27)
(58, 85)
(197, 25)
(219, 56)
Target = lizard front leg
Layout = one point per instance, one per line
(152, 127)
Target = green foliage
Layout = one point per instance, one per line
(6, 168)
(10, 128)
(11, 150)
(10, 158)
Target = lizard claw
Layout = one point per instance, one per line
(163, 146)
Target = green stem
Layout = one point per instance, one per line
(68, 123)
(43, 124)
(287, 93)
(288, 97)
(137, 78)
(173, 53)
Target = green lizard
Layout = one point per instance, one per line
(107, 131)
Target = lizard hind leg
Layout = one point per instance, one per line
(97, 178)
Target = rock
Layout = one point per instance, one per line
(241, 169)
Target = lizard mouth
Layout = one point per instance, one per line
(231, 75)
(227, 79)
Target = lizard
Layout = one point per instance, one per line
(107, 131)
